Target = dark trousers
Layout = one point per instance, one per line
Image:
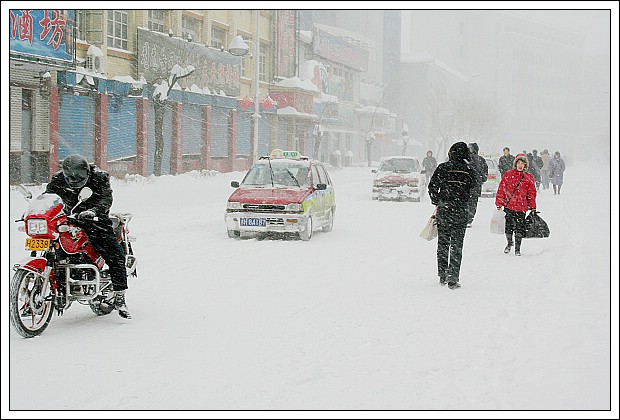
(102, 237)
(451, 226)
(472, 205)
(515, 223)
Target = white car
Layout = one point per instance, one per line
(398, 178)
(489, 188)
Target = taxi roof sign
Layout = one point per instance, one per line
(284, 154)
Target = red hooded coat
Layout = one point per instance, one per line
(524, 197)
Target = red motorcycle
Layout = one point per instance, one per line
(63, 267)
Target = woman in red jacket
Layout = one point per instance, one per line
(516, 194)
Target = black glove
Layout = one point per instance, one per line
(86, 216)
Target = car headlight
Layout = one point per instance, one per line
(37, 227)
(233, 205)
(294, 207)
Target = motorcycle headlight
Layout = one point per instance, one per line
(233, 205)
(294, 207)
(37, 227)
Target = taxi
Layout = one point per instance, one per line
(284, 192)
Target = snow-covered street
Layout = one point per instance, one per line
(354, 319)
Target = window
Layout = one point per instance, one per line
(156, 20)
(80, 24)
(262, 63)
(218, 37)
(189, 26)
(117, 29)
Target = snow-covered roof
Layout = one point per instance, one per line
(289, 110)
(305, 36)
(296, 82)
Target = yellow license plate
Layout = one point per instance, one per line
(37, 244)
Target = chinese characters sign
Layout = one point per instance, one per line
(339, 50)
(217, 70)
(42, 35)
(286, 43)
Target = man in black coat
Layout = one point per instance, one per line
(449, 189)
(93, 217)
(482, 171)
(505, 161)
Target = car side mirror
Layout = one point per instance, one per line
(321, 186)
(234, 184)
(374, 171)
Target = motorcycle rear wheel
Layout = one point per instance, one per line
(31, 303)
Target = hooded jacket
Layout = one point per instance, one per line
(524, 197)
(98, 181)
(453, 181)
(479, 164)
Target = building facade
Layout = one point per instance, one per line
(139, 76)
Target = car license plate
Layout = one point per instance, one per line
(252, 222)
(37, 244)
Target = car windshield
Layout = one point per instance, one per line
(281, 173)
(399, 165)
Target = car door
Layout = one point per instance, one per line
(326, 195)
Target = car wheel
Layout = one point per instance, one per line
(307, 233)
(330, 221)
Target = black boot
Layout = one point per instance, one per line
(509, 246)
(518, 246)
(120, 305)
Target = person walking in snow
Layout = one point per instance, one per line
(533, 169)
(450, 188)
(429, 163)
(505, 161)
(544, 171)
(77, 173)
(556, 172)
(516, 194)
(482, 171)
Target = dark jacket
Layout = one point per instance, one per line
(533, 167)
(98, 181)
(481, 167)
(505, 163)
(430, 164)
(453, 181)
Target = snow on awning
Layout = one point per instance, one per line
(290, 111)
(296, 82)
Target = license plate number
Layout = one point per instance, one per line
(33, 244)
(253, 222)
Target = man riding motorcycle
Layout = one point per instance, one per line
(76, 174)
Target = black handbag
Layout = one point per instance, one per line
(535, 226)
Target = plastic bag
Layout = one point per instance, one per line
(498, 222)
(535, 226)
(430, 230)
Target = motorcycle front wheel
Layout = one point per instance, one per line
(32, 304)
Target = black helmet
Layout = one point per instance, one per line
(75, 169)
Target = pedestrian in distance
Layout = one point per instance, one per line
(538, 163)
(482, 171)
(505, 161)
(77, 173)
(544, 171)
(516, 194)
(449, 189)
(556, 172)
(429, 163)
(533, 169)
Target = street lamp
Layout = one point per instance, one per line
(239, 47)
